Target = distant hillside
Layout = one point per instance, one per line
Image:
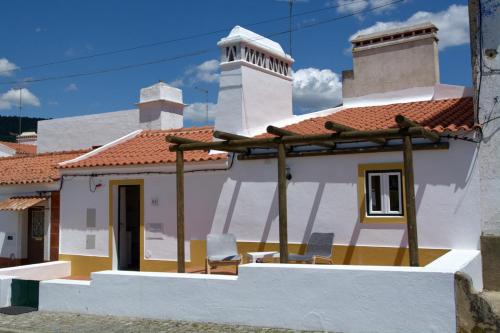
(10, 124)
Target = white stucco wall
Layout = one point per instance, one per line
(322, 196)
(98, 129)
(488, 117)
(305, 297)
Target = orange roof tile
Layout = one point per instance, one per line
(32, 169)
(439, 116)
(20, 148)
(149, 147)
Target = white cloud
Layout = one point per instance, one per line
(197, 112)
(355, 6)
(207, 72)
(315, 89)
(71, 87)
(453, 25)
(6, 67)
(11, 98)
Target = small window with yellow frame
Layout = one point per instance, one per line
(381, 193)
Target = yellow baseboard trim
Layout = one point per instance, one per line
(82, 266)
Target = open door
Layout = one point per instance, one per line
(36, 219)
(129, 206)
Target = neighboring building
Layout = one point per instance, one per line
(29, 207)
(118, 202)
(160, 107)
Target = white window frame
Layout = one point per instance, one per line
(384, 193)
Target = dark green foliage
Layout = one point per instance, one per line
(9, 125)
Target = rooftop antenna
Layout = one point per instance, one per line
(205, 91)
(20, 106)
(290, 12)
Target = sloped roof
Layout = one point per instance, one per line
(33, 169)
(449, 115)
(20, 148)
(149, 147)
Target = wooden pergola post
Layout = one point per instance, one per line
(181, 260)
(411, 216)
(283, 233)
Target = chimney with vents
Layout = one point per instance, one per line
(255, 83)
(392, 60)
(160, 107)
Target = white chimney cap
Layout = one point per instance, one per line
(239, 34)
(161, 91)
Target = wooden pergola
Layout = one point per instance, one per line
(284, 141)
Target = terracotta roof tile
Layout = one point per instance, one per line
(32, 169)
(20, 148)
(149, 147)
(439, 116)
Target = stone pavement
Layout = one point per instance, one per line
(66, 322)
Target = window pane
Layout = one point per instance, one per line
(375, 194)
(394, 195)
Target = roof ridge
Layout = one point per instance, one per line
(176, 130)
(52, 153)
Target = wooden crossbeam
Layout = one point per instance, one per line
(339, 128)
(391, 133)
(228, 136)
(282, 132)
(176, 140)
(406, 123)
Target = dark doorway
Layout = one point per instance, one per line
(129, 215)
(36, 219)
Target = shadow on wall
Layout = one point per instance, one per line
(450, 168)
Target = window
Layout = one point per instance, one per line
(384, 193)
(381, 193)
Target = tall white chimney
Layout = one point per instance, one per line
(255, 83)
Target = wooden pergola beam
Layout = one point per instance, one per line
(391, 133)
(228, 136)
(346, 151)
(282, 132)
(339, 128)
(181, 258)
(176, 141)
(406, 123)
(411, 215)
(282, 204)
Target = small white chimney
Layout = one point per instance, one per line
(255, 83)
(29, 138)
(160, 107)
(392, 60)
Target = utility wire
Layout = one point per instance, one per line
(174, 40)
(194, 53)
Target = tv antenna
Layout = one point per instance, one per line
(205, 91)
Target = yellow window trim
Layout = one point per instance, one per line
(363, 217)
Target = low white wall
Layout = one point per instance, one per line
(309, 297)
(44, 271)
(5, 290)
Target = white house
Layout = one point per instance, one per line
(118, 202)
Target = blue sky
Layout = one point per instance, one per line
(38, 32)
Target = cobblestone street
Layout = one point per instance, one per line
(64, 322)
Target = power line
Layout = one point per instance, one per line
(169, 41)
(194, 53)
